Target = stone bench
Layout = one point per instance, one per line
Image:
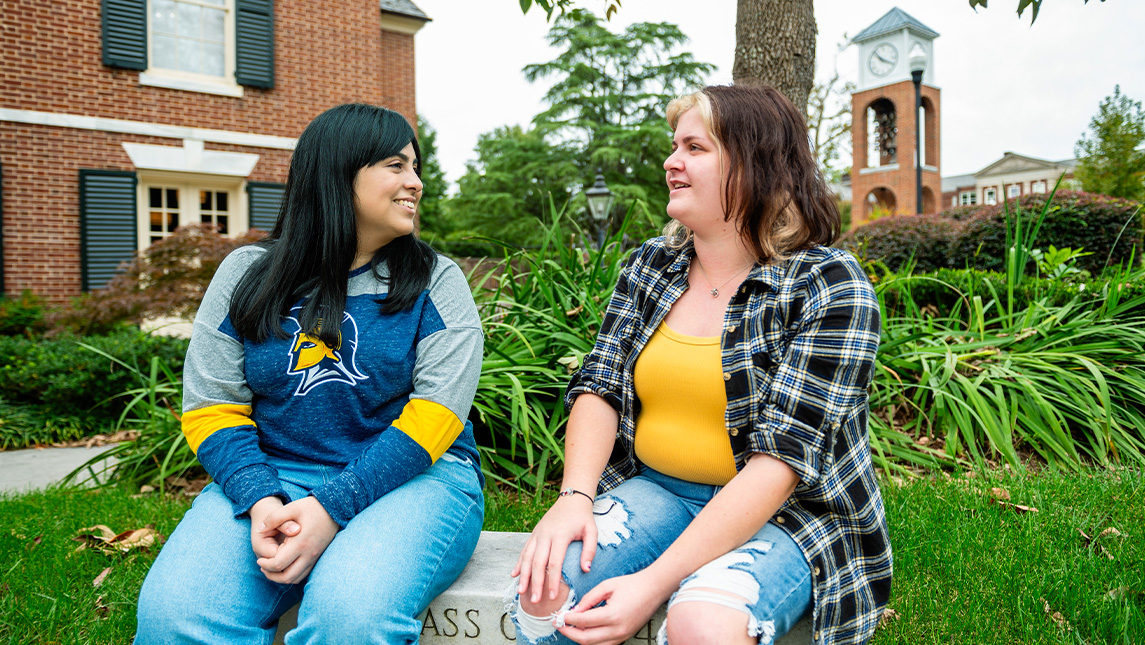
(473, 609)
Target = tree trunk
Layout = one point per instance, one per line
(775, 44)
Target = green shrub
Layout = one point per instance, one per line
(27, 424)
(23, 316)
(69, 379)
(896, 240)
(1075, 219)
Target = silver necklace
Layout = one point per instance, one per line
(715, 291)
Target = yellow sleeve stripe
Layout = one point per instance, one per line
(431, 425)
(204, 422)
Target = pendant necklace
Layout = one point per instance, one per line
(715, 291)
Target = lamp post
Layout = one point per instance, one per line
(599, 199)
(917, 67)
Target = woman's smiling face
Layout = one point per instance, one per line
(385, 200)
(695, 174)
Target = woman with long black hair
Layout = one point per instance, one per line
(326, 389)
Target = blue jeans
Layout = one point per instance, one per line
(639, 519)
(369, 586)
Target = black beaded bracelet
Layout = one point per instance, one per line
(572, 491)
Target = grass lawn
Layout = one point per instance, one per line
(967, 569)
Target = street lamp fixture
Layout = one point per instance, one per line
(917, 68)
(599, 199)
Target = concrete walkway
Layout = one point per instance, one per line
(33, 469)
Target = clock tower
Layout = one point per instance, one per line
(884, 178)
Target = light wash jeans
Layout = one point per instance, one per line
(369, 586)
(639, 519)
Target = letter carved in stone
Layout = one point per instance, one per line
(471, 615)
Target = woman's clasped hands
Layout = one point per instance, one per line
(288, 539)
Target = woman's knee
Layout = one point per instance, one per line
(707, 623)
(545, 606)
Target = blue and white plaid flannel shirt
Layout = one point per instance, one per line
(798, 351)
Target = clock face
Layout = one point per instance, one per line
(883, 59)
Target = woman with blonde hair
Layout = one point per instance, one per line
(717, 455)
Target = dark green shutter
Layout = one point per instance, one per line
(265, 204)
(107, 224)
(254, 53)
(2, 291)
(124, 33)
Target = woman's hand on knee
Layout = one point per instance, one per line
(297, 554)
(540, 563)
(628, 603)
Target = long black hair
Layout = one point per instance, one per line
(311, 251)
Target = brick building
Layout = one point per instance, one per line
(123, 119)
(884, 119)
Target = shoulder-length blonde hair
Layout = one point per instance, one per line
(774, 189)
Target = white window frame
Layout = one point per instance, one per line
(968, 198)
(225, 85)
(989, 196)
(1013, 190)
(189, 185)
(1038, 187)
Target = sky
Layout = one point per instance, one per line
(1006, 85)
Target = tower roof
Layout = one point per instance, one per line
(894, 20)
(404, 8)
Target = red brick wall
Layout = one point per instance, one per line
(41, 198)
(901, 182)
(325, 53)
(50, 61)
(398, 89)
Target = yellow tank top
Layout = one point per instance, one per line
(680, 430)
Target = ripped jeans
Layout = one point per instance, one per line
(639, 519)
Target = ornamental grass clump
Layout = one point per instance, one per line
(991, 380)
(540, 310)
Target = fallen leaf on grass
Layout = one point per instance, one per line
(1118, 593)
(103, 539)
(100, 578)
(1110, 531)
(100, 608)
(190, 488)
(1018, 508)
(1000, 493)
(886, 617)
(1056, 616)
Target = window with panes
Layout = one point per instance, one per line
(192, 36)
(171, 206)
